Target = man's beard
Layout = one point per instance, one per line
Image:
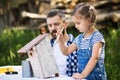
(53, 33)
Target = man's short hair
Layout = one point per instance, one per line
(56, 12)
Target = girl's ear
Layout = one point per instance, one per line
(89, 20)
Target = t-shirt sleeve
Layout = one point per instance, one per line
(98, 37)
(77, 40)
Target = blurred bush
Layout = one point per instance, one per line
(11, 41)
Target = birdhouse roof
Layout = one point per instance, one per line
(31, 44)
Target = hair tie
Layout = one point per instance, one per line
(91, 8)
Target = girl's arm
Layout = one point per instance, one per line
(92, 62)
(96, 51)
(66, 49)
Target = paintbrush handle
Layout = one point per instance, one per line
(58, 35)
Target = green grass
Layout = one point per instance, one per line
(13, 40)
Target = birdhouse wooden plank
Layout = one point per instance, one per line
(41, 57)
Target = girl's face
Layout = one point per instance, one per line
(81, 23)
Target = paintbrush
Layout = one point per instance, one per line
(58, 36)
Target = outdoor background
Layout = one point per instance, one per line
(23, 20)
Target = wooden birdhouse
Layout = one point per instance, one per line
(40, 54)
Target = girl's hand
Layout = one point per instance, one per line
(78, 76)
(60, 34)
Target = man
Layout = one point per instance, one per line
(67, 65)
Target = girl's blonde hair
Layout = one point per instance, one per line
(86, 10)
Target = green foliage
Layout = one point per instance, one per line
(73, 30)
(112, 53)
(11, 41)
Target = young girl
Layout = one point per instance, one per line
(90, 44)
